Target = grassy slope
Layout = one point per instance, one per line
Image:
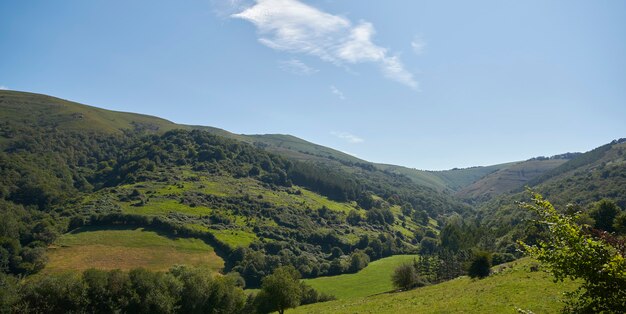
(374, 279)
(503, 292)
(509, 178)
(71, 115)
(128, 248)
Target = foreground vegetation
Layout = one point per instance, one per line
(511, 286)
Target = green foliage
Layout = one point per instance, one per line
(405, 277)
(570, 252)
(604, 214)
(279, 291)
(181, 290)
(480, 265)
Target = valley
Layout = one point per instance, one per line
(85, 188)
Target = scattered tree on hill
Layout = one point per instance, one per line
(405, 277)
(480, 266)
(279, 291)
(570, 252)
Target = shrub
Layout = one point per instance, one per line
(480, 266)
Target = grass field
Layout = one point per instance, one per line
(373, 279)
(504, 292)
(126, 249)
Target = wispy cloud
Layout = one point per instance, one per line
(418, 44)
(337, 92)
(297, 67)
(292, 26)
(2, 87)
(350, 138)
(225, 8)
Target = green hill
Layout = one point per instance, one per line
(580, 182)
(67, 166)
(512, 287)
(445, 180)
(508, 179)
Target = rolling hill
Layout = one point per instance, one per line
(68, 167)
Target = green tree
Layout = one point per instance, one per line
(428, 245)
(279, 291)
(570, 252)
(405, 277)
(604, 214)
(358, 261)
(619, 224)
(480, 266)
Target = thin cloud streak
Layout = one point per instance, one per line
(337, 92)
(418, 45)
(297, 67)
(295, 27)
(350, 138)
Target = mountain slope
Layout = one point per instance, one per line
(65, 166)
(508, 178)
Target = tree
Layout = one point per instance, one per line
(480, 267)
(279, 291)
(353, 217)
(619, 223)
(604, 213)
(451, 236)
(570, 252)
(358, 261)
(405, 277)
(428, 245)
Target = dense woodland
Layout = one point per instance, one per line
(55, 179)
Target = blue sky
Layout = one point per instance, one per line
(424, 84)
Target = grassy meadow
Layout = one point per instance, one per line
(128, 248)
(513, 286)
(373, 279)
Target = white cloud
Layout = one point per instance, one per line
(297, 67)
(337, 92)
(2, 87)
(292, 26)
(350, 138)
(225, 8)
(418, 45)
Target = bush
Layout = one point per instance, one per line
(405, 277)
(501, 258)
(480, 266)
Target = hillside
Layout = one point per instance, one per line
(68, 166)
(511, 287)
(508, 179)
(580, 182)
(445, 180)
